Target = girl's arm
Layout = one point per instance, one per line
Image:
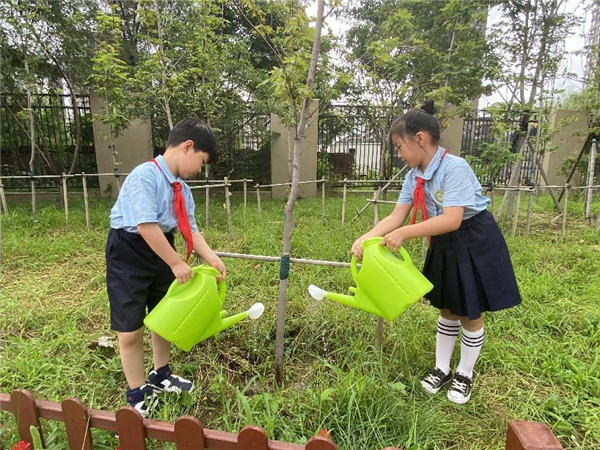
(449, 221)
(390, 223)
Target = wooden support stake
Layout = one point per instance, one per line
(65, 197)
(207, 198)
(228, 208)
(245, 196)
(493, 203)
(376, 207)
(344, 198)
(207, 206)
(564, 213)
(545, 177)
(323, 198)
(516, 216)
(529, 205)
(378, 333)
(33, 201)
(379, 325)
(3, 199)
(77, 424)
(258, 201)
(86, 203)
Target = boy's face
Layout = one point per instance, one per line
(192, 161)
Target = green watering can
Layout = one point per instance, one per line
(386, 284)
(190, 313)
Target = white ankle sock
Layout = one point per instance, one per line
(447, 331)
(470, 346)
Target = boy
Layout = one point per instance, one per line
(141, 261)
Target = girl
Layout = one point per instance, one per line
(467, 261)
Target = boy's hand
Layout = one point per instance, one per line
(394, 240)
(182, 272)
(218, 264)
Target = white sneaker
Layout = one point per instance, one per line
(460, 389)
(435, 379)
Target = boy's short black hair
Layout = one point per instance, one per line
(197, 131)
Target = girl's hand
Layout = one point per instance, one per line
(394, 240)
(357, 249)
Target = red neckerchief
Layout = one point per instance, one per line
(419, 197)
(180, 212)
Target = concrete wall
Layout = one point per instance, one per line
(573, 126)
(451, 135)
(134, 146)
(280, 155)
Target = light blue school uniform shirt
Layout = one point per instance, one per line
(147, 197)
(448, 182)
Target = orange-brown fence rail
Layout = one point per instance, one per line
(188, 433)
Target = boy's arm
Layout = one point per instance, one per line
(206, 253)
(157, 241)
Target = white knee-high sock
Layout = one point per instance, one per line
(470, 346)
(447, 331)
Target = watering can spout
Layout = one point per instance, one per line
(191, 312)
(348, 300)
(386, 284)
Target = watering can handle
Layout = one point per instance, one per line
(354, 268)
(405, 255)
(222, 287)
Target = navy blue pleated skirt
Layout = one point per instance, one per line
(471, 270)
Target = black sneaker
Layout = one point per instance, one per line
(164, 381)
(143, 399)
(460, 389)
(434, 380)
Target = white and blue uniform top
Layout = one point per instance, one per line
(147, 197)
(448, 182)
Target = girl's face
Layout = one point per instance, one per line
(410, 149)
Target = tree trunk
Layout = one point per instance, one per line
(163, 65)
(31, 140)
(590, 182)
(288, 225)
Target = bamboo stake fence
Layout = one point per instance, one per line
(207, 185)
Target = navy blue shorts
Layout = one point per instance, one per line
(136, 278)
(471, 270)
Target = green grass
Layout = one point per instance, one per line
(540, 360)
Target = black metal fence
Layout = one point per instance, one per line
(353, 144)
(54, 136)
(244, 146)
(492, 155)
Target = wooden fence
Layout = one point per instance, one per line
(188, 432)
